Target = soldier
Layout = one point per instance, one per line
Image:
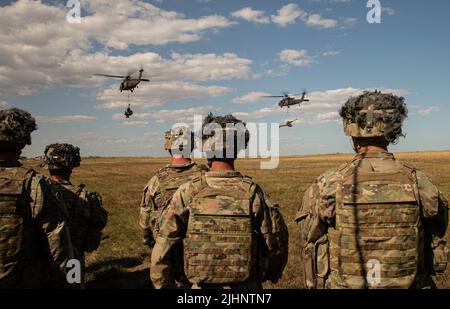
(87, 217)
(374, 222)
(179, 142)
(34, 238)
(230, 234)
(158, 192)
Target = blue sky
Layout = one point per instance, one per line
(221, 56)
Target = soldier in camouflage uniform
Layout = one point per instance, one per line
(229, 233)
(34, 238)
(87, 217)
(158, 192)
(374, 222)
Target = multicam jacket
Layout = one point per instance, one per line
(158, 194)
(35, 243)
(268, 233)
(373, 212)
(87, 217)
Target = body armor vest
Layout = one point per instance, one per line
(219, 246)
(377, 235)
(16, 228)
(169, 182)
(78, 210)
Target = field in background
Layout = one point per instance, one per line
(120, 262)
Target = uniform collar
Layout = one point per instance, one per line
(223, 174)
(382, 154)
(181, 166)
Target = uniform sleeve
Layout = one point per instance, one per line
(435, 213)
(97, 221)
(275, 234)
(51, 220)
(317, 211)
(172, 230)
(146, 219)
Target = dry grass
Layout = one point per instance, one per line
(120, 181)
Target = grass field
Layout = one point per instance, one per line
(120, 260)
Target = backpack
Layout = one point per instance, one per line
(219, 246)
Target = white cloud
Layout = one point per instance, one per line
(249, 14)
(330, 53)
(429, 110)
(288, 14)
(65, 119)
(348, 22)
(135, 123)
(135, 116)
(388, 10)
(251, 97)
(318, 21)
(157, 94)
(55, 53)
(322, 108)
(295, 57)
(181, 115)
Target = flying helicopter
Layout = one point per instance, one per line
(128, 83)
(289, 100)
(288, 123)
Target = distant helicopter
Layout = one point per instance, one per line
(289, 100)
(288, 123)
(128, 83)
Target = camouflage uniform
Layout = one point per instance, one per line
(87, 217)
(224, 230)
(158, 193)
(35, 243)
(374, 222)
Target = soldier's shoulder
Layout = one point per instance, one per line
(333, 174)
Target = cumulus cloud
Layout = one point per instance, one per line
(157, 94)
(181, 115)
(429, 110)
(65, 119)
(251, 97)
(288, 14)
(322, 108)
(295, 57)
(249, 14)
(135, 123)
(318, 21)
(55, 53)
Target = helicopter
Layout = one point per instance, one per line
(288, 123)
(128, 83)
(288, 100)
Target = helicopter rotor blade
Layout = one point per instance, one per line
(107, 75)
(273, 96)
(144, 80)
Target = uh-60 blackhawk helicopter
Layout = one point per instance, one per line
(128, 84)
(289, 100)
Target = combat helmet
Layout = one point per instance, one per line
(16, 126)
(62, 156)
(374, 114)
(224, 136)
(177, 138)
